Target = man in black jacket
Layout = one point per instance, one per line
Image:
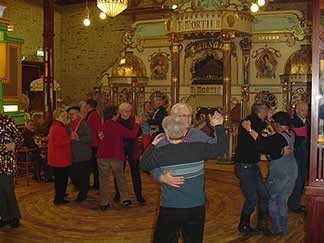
(159, 113)
(252, 187)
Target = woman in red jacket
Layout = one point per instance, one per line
(59, 154)
(111, 155)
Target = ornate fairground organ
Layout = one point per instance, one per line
(10, 72)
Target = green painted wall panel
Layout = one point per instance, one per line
(151, 30)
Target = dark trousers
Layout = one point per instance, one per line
(94, 169)
(80, 174)
(8, 203)
(252, 188)
(38, 165)
(61, 175)
(136, 178)
(170, 221)
(301, 156)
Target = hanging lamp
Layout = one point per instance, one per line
(112, 7)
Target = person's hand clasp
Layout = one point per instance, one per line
(158, 138)
(287, 150)
(101, 135)
(216, 119)
(75, 136)
(174, 181)
(246, 124)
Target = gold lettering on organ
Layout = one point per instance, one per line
(188, 25)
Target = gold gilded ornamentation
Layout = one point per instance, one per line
(129, 66)
(230, 20)
(245, 92)
(266, 62)
(266, 97)
(175, 48)
(227, 46)
(159, 65)
(210, 21)
(300, 62)
(203, 45)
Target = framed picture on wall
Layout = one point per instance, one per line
(159, 66)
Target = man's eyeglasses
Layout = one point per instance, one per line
(185, 115)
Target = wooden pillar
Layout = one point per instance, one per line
(315, 190)
(245, 45)
(227, 79)
(175, 49)
(287, 90)
(134, 94)
(48, 42)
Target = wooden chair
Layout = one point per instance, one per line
(24, 162)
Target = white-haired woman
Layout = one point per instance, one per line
(59, 154)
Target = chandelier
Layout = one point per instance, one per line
(112, 7)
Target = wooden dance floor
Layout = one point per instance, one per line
(44, 222)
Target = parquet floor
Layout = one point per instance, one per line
(44, 222)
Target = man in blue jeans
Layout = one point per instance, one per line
(252, 187)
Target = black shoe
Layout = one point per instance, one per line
(126, 203)
(275, 234)
(263, 230)
(141, 200)
(262, 224)
(247, 230)
(244, 226)
(300, 209)
(80, 198)
(14, 223)
(61, 202)
(3, 223)
(105, 207)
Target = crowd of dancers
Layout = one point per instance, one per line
(83, 141)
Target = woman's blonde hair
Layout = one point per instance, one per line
(61, 115)
(125, 106)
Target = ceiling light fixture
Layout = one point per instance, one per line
(87, 21)
(261, 3)
(112, 7)
(102, 15)
(254, 8)
(174, 6)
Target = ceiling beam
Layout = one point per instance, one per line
(68, 2)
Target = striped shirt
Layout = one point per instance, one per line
(184, 159)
